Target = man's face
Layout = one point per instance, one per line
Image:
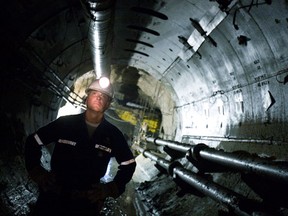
(97, 101)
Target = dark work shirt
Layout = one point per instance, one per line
(78, 160)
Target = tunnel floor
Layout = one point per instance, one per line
(155, 197)
(158, 196)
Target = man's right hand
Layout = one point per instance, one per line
(45, 180)
(101, 191)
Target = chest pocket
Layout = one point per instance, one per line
(103, 147)
(103, 150)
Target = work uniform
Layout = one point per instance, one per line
(79, 160)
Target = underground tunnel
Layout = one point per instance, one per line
(200, 95)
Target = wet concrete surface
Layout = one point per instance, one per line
(18, 193)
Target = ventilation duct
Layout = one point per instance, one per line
(100, 15)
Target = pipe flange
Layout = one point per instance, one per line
(196, 151)
(154, 141)
(172, 166)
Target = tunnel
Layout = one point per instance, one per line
(201, 90)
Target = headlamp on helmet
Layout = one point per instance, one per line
(102, 85)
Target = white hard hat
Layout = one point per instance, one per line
(102, 85)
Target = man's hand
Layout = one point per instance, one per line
(45, 180)
(101, 191)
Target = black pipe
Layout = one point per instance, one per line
(245, 162)
(241, 161)
(172, 144)
(216, 192)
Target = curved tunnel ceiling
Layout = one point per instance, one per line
(217, 49)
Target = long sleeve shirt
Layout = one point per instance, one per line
(79, 161)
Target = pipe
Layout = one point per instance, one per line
(101, 15)
(172, 144)
(152, 156)
(241, 161)
(217, 192)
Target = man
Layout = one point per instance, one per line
(84, 144)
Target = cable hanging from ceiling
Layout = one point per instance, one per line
(56, 84)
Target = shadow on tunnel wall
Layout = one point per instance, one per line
(128, 87)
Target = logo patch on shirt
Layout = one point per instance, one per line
(104, 148)
(69, 142)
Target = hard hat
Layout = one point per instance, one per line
(102, 85)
